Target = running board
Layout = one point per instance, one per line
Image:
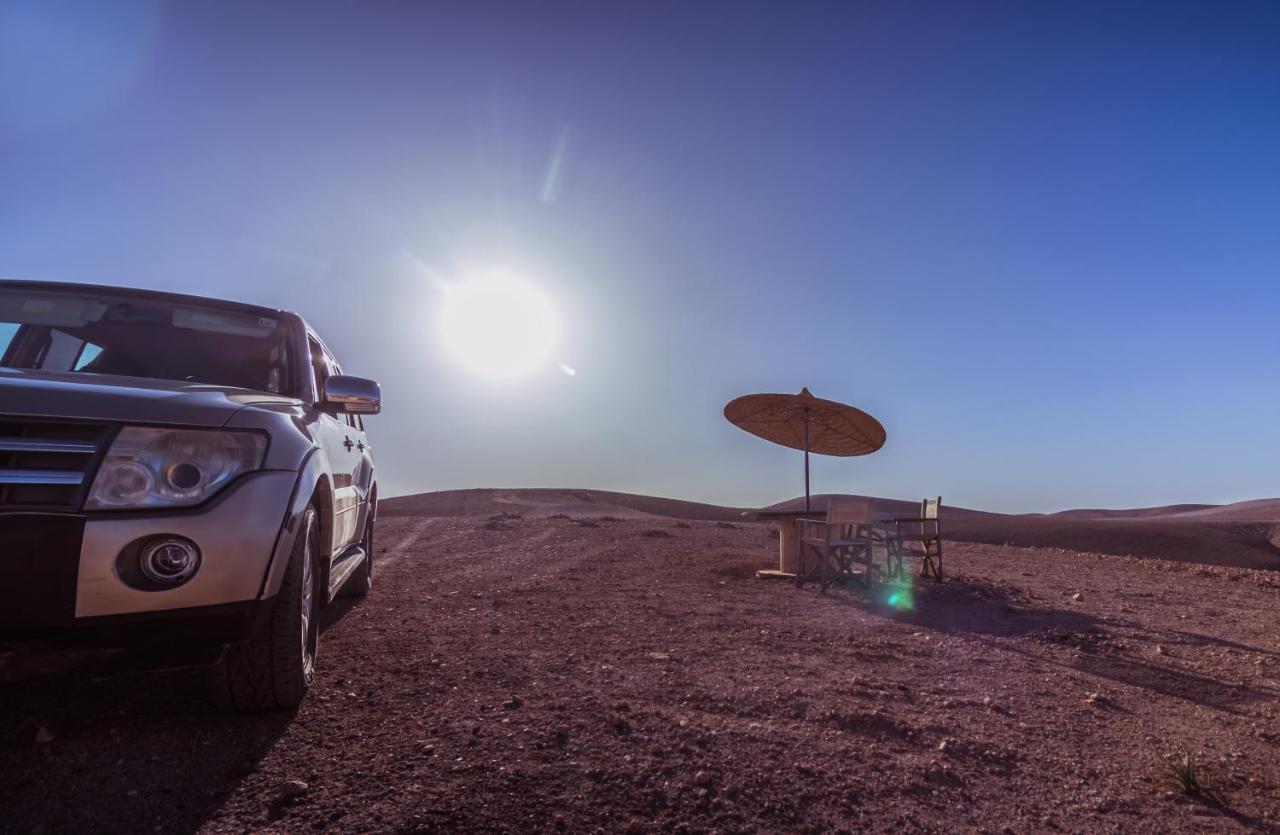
(343, 568)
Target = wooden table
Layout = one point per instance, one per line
(788, 538)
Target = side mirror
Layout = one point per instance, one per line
(355, 395)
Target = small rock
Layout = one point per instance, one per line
(30, 733)
(1077, 597)
(512, 703)
(293, 788)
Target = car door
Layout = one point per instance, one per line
(335, 438)
(363, 478)
(361, 463)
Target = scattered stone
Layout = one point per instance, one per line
(1077, 597)
(293, 788)
(30, 733)
(512, 703)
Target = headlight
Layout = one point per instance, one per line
(171, 467)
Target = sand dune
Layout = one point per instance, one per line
(1243, 535)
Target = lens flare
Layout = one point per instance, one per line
(899, 596)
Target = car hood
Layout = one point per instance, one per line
(107, 397)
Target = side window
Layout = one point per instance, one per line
(62, 351)
(319, 366)
(334, 368)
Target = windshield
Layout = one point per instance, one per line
(141, 337)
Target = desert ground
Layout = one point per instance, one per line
(582, 661)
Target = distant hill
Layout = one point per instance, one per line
(540, 501)
(1245, 534)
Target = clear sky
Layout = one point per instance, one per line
(1040, 242)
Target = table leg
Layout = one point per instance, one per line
(788, 546)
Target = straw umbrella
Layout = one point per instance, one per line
(802, 421)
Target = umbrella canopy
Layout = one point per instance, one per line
(802, 421)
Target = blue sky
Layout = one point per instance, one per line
(1038, 241)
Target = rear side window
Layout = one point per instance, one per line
(319, 366)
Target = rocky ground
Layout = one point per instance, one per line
(601, 673)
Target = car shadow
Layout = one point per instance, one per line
(130, 753)
(88, 745)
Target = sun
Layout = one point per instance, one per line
(499, 326)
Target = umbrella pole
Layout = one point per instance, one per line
(806, 460)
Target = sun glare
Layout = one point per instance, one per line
(498, 326)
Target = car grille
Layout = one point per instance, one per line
(46, 465)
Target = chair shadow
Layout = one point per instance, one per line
(132, 752)
(979, 607)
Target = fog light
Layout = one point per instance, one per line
(169, 561)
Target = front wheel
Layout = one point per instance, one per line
(273, 670)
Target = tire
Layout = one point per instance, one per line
(273, 670)
(360, 583)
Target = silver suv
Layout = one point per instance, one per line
(177, 471)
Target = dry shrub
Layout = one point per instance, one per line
(1183, 775)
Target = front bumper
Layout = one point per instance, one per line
(58, 571)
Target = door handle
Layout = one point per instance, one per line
(348, 443)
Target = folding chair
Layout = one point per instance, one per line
(829, 548)
(925, 530)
